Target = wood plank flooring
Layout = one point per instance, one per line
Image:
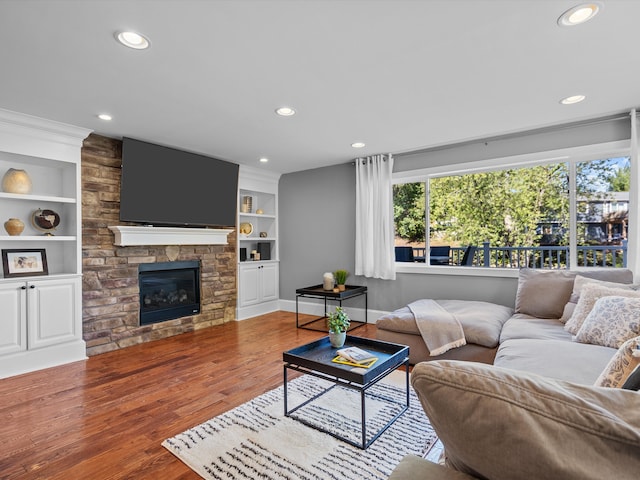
(104, 418)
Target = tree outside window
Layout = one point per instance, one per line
(520, 216)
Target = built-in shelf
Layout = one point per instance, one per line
(37, 198)
(38, 238)
(132, 235)
(42, 314)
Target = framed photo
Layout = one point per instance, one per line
(24, 262)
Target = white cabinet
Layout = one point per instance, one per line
(259, 283)
(53, 310)
(258, 287)
(41, 315)
(13, 331)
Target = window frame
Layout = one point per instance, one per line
(571, 155)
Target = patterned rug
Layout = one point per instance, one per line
(256, 440)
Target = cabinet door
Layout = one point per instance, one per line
(249, 283)
(13, 319)
(269, 274)
(53, 311)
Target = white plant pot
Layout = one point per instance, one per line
(337, 339)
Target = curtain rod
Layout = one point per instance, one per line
(563, 126)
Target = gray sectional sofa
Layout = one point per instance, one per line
(533, 413)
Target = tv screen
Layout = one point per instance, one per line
(164, 186)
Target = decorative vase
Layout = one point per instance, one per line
(342, 287)
(327, 281)
(16, 181)
(14, 226)
(337, 339)
(247, 204)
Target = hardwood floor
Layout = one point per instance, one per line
(104, 418)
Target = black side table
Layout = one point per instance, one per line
(317, 291)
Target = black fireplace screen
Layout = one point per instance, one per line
(168, 290)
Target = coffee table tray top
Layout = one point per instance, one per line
(350, 291)
(318, 356)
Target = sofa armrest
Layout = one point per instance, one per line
(413, 467)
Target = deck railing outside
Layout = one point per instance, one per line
(549, 257)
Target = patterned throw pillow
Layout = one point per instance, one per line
(579, 284)
(588, 297)
(611, 322)
(619, 368)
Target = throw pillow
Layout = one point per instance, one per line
(543, 293)
(617, 371)
(579, 282)
(611, 322)
(503, 424)
(591, 292)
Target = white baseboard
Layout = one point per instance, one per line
(243, 313)
(313, 308)
(41, 358)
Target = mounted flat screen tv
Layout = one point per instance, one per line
(163, 186)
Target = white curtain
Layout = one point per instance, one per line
(375, 257)
(633, 261)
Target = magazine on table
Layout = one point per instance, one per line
(356, 355)
(344, 361)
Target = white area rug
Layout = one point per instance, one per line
(256, 440)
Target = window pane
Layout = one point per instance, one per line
(602, 212)
(515, 218)
(409, 219)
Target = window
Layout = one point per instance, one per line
(517, 216)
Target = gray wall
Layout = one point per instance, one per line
(317, 220)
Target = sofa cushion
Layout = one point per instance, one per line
(502, 424)
(543, 293)
(619, 368)
(588, 298)
(611, 322)
(481, 321)
(582, 280)
(526, 326)
(558, 359)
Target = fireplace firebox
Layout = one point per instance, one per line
(168, 290)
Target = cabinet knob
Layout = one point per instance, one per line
(23, 287)
(32, 286)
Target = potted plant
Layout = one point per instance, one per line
(341, 279)
(338, 323)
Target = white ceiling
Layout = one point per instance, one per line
(398, 75)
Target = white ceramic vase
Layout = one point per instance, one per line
(337, 339)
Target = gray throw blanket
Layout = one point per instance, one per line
(440, 329)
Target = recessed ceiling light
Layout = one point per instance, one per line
(285, 111)
(357, 145)
(104, 116)
(264, 160)
(572, 99)
(579, 14)
(132, 40)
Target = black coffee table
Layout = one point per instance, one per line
(315, 359)
(317, 291)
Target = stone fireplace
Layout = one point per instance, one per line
(111, 296)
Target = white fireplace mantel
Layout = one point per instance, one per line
(132, 235)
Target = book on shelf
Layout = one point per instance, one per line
(344, 361)
(356, 355)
